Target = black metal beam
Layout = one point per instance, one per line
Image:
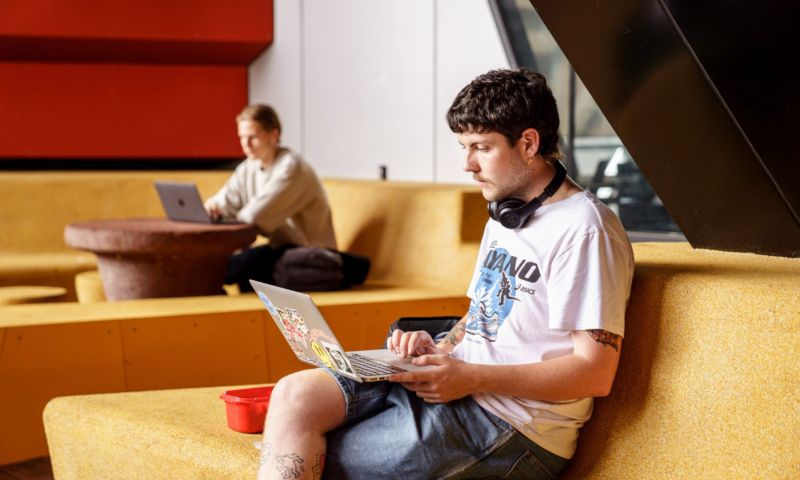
(702, 96)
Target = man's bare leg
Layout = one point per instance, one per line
(304, 406)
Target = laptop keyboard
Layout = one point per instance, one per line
(369, 367)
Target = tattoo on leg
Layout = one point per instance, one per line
(606, 338)
(282, 465)
(316, 469)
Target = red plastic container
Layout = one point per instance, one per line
(246, 408)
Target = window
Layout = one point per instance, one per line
(594, 155)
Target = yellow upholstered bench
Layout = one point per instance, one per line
(170, 434)
(169, 343)
(414, 233)
(422, 240)
(707, 388)
(14, 295)
(89, 287)
(43, 268)
(38, 205)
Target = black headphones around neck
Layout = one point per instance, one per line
(513, 212)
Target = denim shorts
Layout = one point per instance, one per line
(389, 432)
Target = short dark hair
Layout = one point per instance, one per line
(263, 115)
(508, 102)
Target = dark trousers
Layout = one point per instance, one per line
(255, 263)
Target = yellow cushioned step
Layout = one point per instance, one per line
(168, 434)
(30, 294)
(89, 287)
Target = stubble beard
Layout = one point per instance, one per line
(518, 184)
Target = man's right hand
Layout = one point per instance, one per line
(408, 344)
(214, 212)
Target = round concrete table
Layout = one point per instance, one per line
(156, 257)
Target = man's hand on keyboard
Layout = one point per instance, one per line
(409, 344)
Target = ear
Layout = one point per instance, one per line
(275, 135)
(529, 142)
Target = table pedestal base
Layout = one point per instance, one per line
(129, 277)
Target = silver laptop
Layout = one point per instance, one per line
(312, 340)
(182, 202)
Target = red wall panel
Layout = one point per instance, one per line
(126, 79)
(161, 31)
(231, 20)
(72, 110)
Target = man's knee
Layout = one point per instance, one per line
(292, 390)
(310, 393)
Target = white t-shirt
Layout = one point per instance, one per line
(570, 268)
(286, 201)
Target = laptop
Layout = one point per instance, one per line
(313, 341)
(182, 203)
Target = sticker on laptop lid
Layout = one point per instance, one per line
(322, 354)
(339, 358)
(270, 307)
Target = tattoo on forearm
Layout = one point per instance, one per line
(289, 465)
(316, 469)
(606, 338)
(456, 333)
(266, 449)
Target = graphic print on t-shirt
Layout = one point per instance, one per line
(496, 291)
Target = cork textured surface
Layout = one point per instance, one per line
(707, 388)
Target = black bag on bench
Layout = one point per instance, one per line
(319, 269)
(437, 327)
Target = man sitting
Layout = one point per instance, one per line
(514, 380)
(276, 190)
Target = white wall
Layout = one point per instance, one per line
(276, 76)
(364, 83)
